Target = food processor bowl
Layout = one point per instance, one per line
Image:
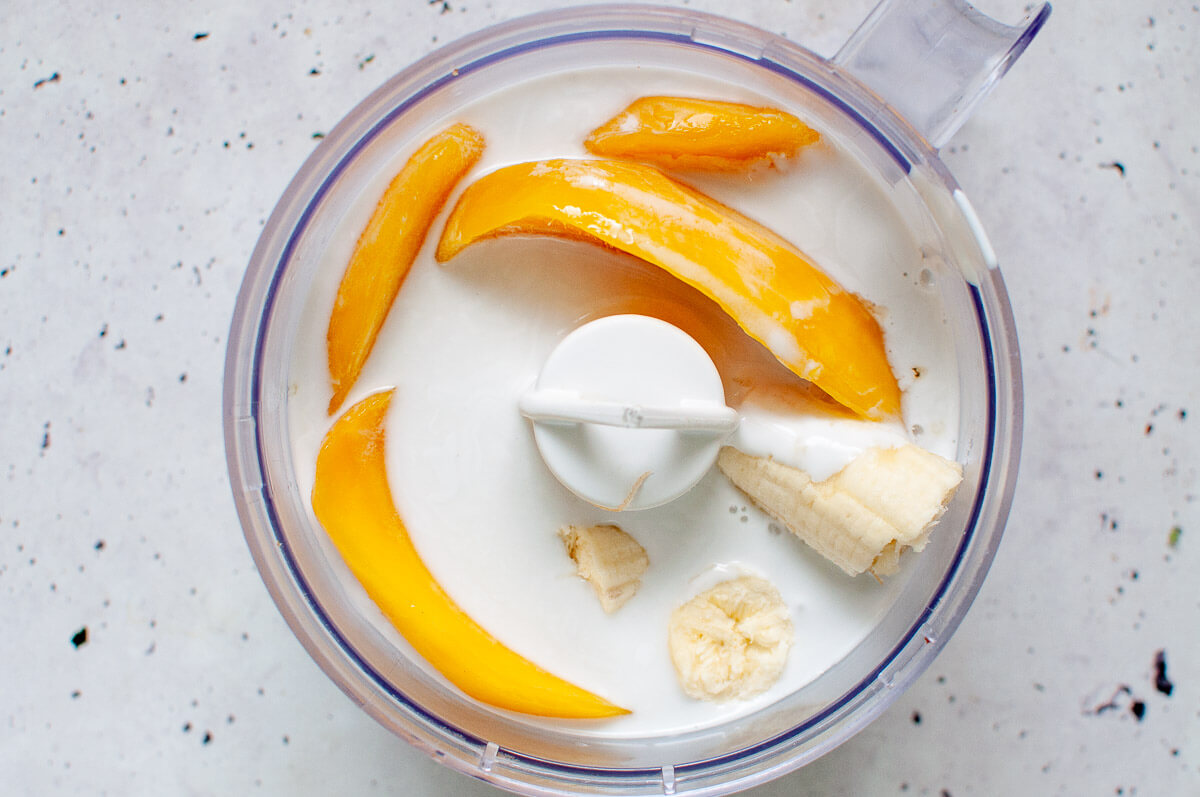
(852, 96)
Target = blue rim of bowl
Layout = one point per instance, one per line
(376, 677)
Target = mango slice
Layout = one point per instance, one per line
(387, 247)
(701, 135)
(353, 502)
(813, 326)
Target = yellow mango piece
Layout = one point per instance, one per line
(387, 247)
(701, 135)
(353, 502)
(813, 326)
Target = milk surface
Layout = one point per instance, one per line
(465, 339)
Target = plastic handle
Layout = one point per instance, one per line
(933, 61)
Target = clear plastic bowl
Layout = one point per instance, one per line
(296, 561)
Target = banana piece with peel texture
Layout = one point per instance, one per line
(731, 642)
(865, 515)
(609, 559)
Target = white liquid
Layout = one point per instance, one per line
(465, 339)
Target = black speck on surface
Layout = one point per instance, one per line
(75, 693)
(80, 638)
(1149, 429)
(45, 435)
(1114, 165)
(187, 727)
(1161, 682)
(200, 36)
(444, 5)
(916, 718)
(1182, 414)
(183, 377)
(318, 134)
(207, 738)
(314, 71)
(104, 330)
(120, 345)
(1138, 708)
(99, 546)
(37, 84)
(946, 793)
(1122, 691)
(1099, 474)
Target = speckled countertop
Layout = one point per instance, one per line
(144, 146)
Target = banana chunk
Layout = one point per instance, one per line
(608, 558)
(865, 515)
(731, 642)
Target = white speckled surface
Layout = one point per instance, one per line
(140, 159)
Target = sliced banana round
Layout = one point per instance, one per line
(731, 642)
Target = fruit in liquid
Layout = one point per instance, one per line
(465, 339)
